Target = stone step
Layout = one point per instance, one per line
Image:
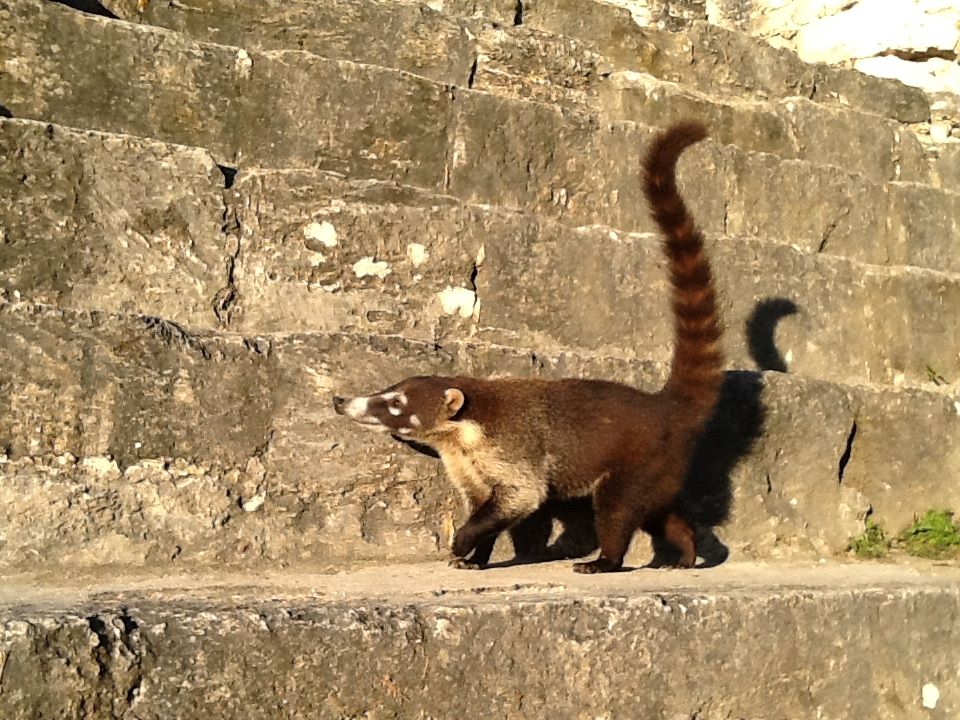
(524, 63)
(796, 128)
(106, 222)
(398, 260)
(558, 43)
(249, 108)
(130, 441)
(427, 641)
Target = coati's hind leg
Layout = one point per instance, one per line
(506, 506)
(674, 540)
(679, 533)
(616, 519)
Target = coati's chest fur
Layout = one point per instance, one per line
(477, 467)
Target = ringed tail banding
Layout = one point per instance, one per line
(696, 369)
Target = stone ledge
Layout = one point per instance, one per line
(441, 42)
(248, 109)
(291, 251)
(424, 640)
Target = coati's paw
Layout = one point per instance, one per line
(462, 564)
(600, 565)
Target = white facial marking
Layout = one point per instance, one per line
(395, 411)
(415, 421)
(404, 431)
(356, 408)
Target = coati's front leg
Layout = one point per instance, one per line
(475, 497)
(506, 506)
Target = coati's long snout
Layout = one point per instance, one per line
(419, 408)
(507, 444)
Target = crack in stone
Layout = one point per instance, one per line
(172, 334)
(226, 298)
(847, 451)
(829, 230)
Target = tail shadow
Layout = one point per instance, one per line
(737, 423)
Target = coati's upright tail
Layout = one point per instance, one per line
(696, 372)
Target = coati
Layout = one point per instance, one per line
(508, 443)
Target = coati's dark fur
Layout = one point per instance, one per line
(507, 443)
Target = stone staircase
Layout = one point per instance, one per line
(216, 214)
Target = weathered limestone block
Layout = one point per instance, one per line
(422, 642)
(247, 108)
(869, 28)
(294, 251)
(878, 148)
(402, 35)
(118, 223)
(533, 283)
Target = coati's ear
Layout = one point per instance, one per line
(454, 400)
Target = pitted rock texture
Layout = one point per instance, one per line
(427, 641)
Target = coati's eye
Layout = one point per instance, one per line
(395, 403)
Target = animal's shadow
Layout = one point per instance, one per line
(707, 494)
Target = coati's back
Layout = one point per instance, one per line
(508, 443)
(575, 430)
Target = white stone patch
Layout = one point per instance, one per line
(323, 232)
(459, 150)
(99, 465)
(254, 503)
(244, 63)
(930, 696)
(458, 301)
(788, 357)
(368, 267)
(441, 627)
(317, 259)
(940, 132)
(417, 254)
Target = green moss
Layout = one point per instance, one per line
(871, 543)
(933, 535)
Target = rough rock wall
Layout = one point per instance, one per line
(914, 41)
